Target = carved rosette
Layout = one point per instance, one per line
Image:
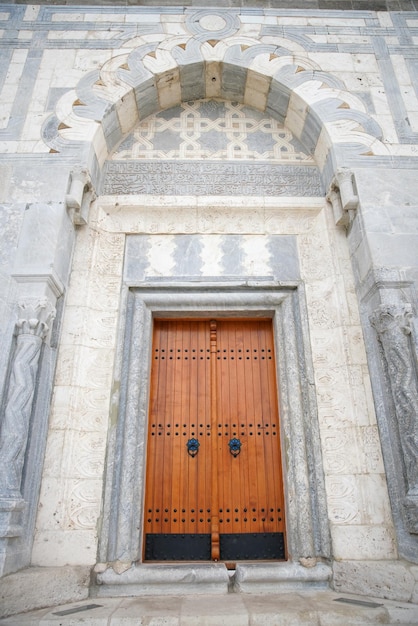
(393, 325)
(31, 330)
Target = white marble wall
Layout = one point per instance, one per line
(71, 496)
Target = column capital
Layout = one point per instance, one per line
(388, 317)
(35, 317)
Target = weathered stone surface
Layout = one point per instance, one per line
(280, 577)
(279, 609)
(38, 587)
(380, 579)
(182, 579)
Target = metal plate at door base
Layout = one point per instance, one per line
(177, 547)
(252, 546)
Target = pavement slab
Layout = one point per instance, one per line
(310, 608)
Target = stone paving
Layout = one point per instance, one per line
(321, 608)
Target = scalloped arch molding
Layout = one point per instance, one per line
(331, 123)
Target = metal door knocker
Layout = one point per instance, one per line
(192, 447)
(234, 446)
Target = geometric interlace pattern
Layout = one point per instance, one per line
(211, 129)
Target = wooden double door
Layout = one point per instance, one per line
(214, 488)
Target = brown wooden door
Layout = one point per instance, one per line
(214, 487)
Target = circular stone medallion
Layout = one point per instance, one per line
(212, 22)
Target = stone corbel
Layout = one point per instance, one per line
(343, 197)
(392, 323)
(80, 195)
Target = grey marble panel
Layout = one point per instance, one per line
(232, 255)
(393, 95)
(278, 99)
(192, 80)
(311, 131)
(137, 248)
(111, 128)
(284, 261)
(146, 95)
(233, 81)
(22, 99)
(5, 58)
(187, 255)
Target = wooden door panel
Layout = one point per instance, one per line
(250, 491)
(213, 381)
(178, 485)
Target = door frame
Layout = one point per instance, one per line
(305, 503)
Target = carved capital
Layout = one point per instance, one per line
(343, 197)
(392, 317)
(80, 195)
(35, 317)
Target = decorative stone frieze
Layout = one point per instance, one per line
(31, 330)
(80, 195)
(203, 178)
(343, 197)
(393, 325)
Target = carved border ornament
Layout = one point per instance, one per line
(393, 325)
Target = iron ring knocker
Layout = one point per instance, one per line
(192, 447)
(234, 446)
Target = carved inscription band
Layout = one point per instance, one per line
(210, 178)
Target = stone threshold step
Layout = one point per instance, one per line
(214, 578)
(313, 608)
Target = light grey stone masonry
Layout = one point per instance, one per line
(40, 271)
(383, 244)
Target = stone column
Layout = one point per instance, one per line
(31, 330)
(393, 325)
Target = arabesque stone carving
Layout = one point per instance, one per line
(393, 325)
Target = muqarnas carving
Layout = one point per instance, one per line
(393, 325)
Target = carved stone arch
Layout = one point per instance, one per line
(330, 122)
